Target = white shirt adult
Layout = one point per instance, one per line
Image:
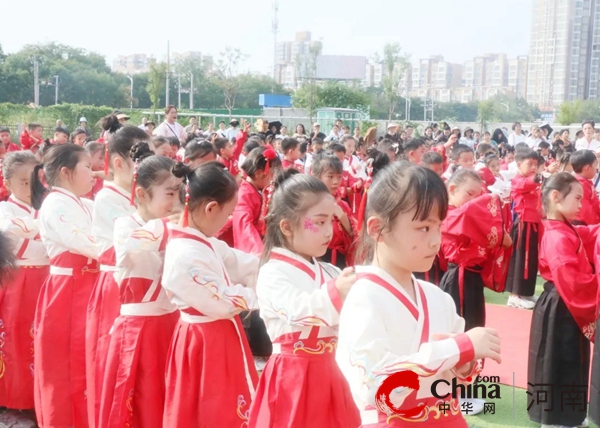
(514, 139)
(170, 127)
(232, 133)
(533, 143)
(584, 144)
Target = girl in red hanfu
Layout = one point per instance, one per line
(340, 251)
(474, 228)
(412, 324)
(523, 269)
(351, 187)
(111, 203)
(211, 379)
(133, 390)
(300, 299)
(248, 229)
(564, 318)
(18, 220)
(65, 224)
(585, 165)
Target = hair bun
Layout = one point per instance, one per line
(140, 151)
(283, 175)
(181, 170)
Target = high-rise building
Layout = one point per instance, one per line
(132, 64)
(564, 52)
(434, 75)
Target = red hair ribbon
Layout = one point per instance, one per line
(186, 210)
(133, 183)
(269, 155)
(106, 160)
(363, 203)
(42, 176)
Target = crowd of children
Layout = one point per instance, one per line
(150, 278)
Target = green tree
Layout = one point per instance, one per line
(393, 82)
(226, 76)
(156, 83)
(486, 111)
(569, 112)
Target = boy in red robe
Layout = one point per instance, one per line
(585, 165)
(9, 146)
(291, 153)
(525, 192)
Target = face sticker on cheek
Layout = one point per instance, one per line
(309, 225)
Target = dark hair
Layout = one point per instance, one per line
(543, 145)
(325, 162)
(169, 108)
(4, 129)
(590, 122)
(220, 144)
(316, 140)
(7, 258)
(523, 155)
(209, 182)
(256, 161)
(432, 158)
(413, 144)
(93, 147)
(77, 132)
(507, 149)
(489, 158)
(337, 148)
(33, 126)
(159, 141)
(459, 149)
(483, 148)
(61, 130)
(59, 156)
(151, 169)
(14, 160)
(250, 145)
(461, 176)
(174, 141)
(582, 158)
(121, 142)
(294, 194)
(289, 144)
(561, 182)
(110, 123)
(198, 149)
(387, 144)
(398, 189)
(515, 125)
(380, 160)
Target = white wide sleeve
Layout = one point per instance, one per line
(64, 224)
(279, 297)
(24, 227)
(241, 267)
(364, 354)
(196, 279)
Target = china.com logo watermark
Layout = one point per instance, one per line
(483, 388)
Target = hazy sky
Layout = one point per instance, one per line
(458, 29)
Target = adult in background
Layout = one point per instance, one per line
(83, 126)
(170, 127)
(233, 130)
(588, 141)
(144, 123)
(517, 136)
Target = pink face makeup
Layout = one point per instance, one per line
(309, 225)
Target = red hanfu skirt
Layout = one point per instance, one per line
(17, 311)
(303, 387)
(103, 309)
(211, 377)
(133, 391)
(59, 343)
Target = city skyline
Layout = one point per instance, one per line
(499, 27)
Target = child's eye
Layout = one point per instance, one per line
(424, 229)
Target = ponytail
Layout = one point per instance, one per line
(38, 188)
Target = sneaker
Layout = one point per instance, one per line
(519, 303)
(533, 298)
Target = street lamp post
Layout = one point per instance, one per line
(130, 93)
(56, 90)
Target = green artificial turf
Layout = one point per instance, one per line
(502, 298)
(504, 415)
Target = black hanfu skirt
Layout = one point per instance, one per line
(472, 306)
(523, 268)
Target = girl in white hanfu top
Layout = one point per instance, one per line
(133, 388)
(18, 298)
(65, 223)
(300, 299)
(390, 322)
(211, 378)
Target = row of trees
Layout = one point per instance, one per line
(85, 78)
